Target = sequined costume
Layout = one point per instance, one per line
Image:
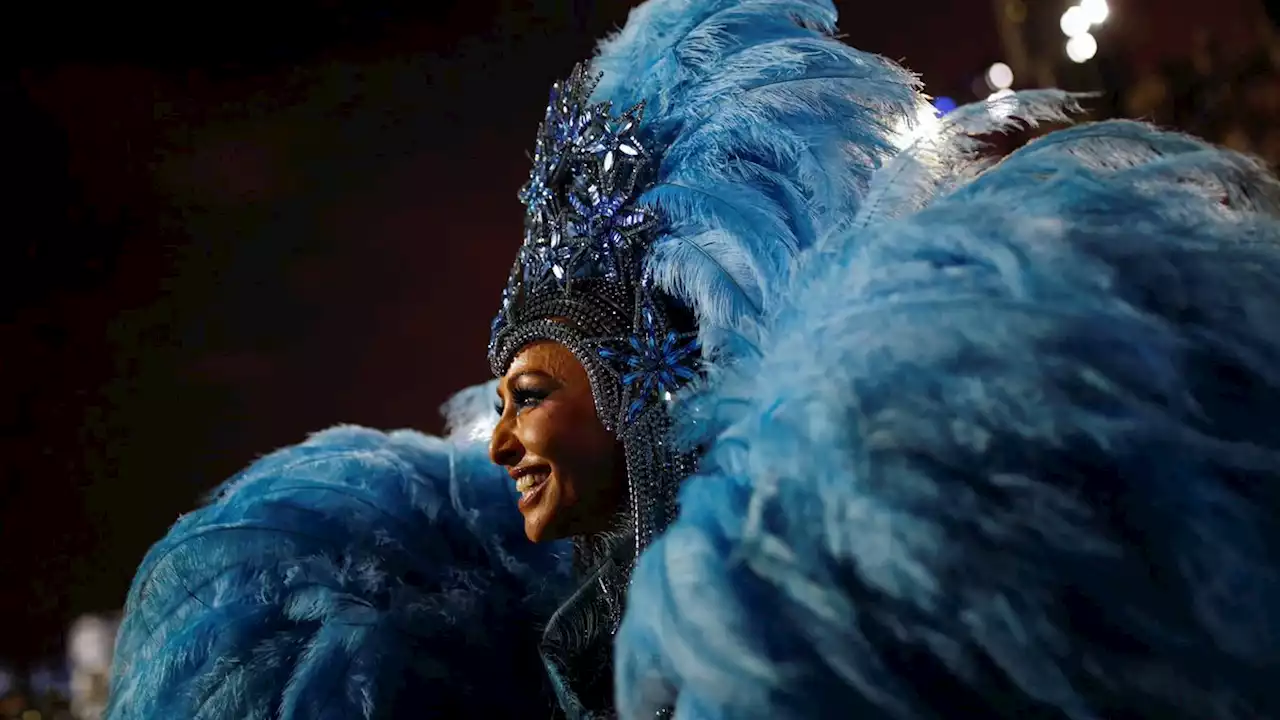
(909, 433)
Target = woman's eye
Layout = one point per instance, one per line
(527, 398)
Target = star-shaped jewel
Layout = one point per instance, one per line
(651, 362)
(613, 136)
(595, 211)
(570, 257)
(535, 193)
(569, 126)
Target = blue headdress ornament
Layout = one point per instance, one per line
(581, 267)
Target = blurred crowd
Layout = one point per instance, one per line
(25, 701)
(1224, 94)
(74, 688)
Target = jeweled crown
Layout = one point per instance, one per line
(580, 276)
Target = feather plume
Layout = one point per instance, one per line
(1013, 454)
(768, 131)
(1156, 161)
(951, 152)
(356, 575)
(469, 414)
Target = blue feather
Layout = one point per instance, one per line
(470, 414)
(1012, 454)
(768, 130)
(356, 575)
(945, 156)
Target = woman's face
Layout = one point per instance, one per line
(569, 470)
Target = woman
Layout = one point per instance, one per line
(971, 439)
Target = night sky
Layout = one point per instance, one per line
(237, 223)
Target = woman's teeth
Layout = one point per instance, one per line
(529, 482)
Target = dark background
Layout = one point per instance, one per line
(230, 224)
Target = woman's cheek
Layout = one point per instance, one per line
(554, 434)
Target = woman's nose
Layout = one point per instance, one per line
(504, 448)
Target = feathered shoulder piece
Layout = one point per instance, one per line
(1012, 452)
(356, 575)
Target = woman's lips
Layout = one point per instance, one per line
(530, 488)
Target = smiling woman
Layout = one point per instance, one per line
(569, 470)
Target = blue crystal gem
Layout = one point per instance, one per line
(652, 362)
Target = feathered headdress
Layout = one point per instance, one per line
(676, 179)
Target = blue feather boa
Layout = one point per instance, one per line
(356, 575)
(1013, 455)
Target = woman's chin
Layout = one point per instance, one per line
(533, 532)
(540, 533)
(538, 526)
